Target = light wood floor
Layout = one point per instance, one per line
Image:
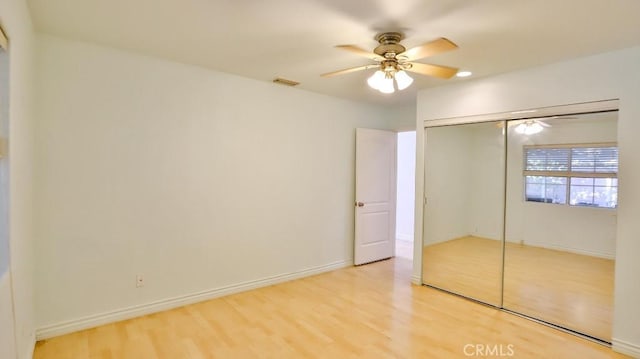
(568, 289)
(370, 311)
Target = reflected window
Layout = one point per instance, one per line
(546, 189)
(578, 175)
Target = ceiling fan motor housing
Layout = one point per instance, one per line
(389, 44)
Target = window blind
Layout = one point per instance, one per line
(547, 159)
(594, 159)
(576, 160)
(580, 175)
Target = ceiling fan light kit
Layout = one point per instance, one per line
(403, 80)
(529, 128)
(383, 81)
(393, 60)
(387, 86)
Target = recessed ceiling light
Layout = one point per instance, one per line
(464, 73)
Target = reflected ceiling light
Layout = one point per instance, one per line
(464, 73)
(383, 80)
(529, 128)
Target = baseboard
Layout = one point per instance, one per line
(627, 348)
(95, 320)
(416, 279)
(571, 250)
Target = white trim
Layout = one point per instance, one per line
(569, 249)
(416, 279)
(406, 128)
(627, 348)
(407, 237)
(31, 348)
(562, 110)
(94, 320)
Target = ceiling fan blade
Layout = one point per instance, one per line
(353, 69)
(429, 49)
(444, 72)
(360, 52)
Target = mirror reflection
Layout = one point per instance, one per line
(464, 211)
(562, 193)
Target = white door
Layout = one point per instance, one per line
(375, 202)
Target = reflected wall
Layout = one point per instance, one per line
(561, 222)
(521, 214)
(464, 210)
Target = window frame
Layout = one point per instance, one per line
(569, 174)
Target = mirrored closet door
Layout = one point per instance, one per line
(562, 193)
(464, 210)
(521, 215)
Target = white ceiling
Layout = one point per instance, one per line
(295, 39)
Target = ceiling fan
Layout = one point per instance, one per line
(532, 126)
(392, 60)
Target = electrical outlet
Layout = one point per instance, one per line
(139, 281)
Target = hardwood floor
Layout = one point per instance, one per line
(568, 289)
(370, 311)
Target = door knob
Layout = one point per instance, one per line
(359, 204)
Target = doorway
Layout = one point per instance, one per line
(405, 203)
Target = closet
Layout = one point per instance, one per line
(520, 213)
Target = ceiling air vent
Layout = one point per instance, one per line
(281, 81)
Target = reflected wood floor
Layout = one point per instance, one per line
(568, 289)
(469, 265)
(370, 311)
(573, 290)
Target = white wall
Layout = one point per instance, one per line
(584, 230)
(403, 117)
(15, 19)
(406, 192)
(198, 180)
(605, 76)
